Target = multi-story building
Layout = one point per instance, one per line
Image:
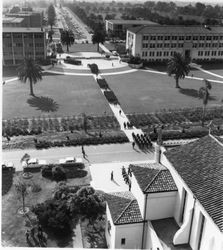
(20, 42)
(158, 43)
(119, 27)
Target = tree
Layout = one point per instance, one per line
(51, 16)
(179, 67)
(21, 189)
(30, 70)
(98, 37)
(67, 38)
(90, 204)
(204, 94)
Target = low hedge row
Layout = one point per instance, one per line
(184, 134)
(102, 84)
(82, 141)
(110, 96)
(59, 173)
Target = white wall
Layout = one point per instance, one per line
(132, 234)
(151, 238)
(137, 192)
(110, 237)
(161, 205)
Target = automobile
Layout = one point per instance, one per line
(114, 53)
(71, 159)
(32, 162)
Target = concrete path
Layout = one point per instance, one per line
(206, 71)
(77, 238)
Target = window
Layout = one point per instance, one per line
(123, 241)
(184, 198)
(195, 38)
(166, 45)
(202, 37)
(194, 45)
(38, 35)
(160, 38)
(188, 38)
(145, 37)
(167, 38)
(208, 38)
(153, 38)
(215, 38)
(180, 45)
(213, 53)
(201, 231)
(200, 53)
(6, 35)
(207, 53)
(17, 35)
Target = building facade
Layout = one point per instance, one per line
(159, 43)
(183, 187)
(19, 42)
(119, 27)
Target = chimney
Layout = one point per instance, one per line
(158, 144)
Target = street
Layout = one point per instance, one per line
(95, 154)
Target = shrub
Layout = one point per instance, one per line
(135, 60)
(94, 68)
(102, 84)
(47, 171)
(73, 173)
(58, 173)
(110, 96)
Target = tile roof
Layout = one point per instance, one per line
(200, 164)
(174, 29)
(153, 178)
(124, 208)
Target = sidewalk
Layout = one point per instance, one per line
(77, 238)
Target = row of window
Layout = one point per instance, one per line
(25, 35)
(180, 45)
(171, 53)
(182, 38)
(37, 45)
(208, 53)
(9, 53)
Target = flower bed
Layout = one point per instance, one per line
(37, 126)
(110, 96)
(94, 68)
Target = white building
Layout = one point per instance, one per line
(158, 43)
(176, 201)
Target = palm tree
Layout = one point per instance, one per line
(67, 38)
(30, 70)
(179, 67)
(204, 94)
(98, 37)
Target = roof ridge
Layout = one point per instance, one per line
(153, 179)
(213, 137)
(124, 210)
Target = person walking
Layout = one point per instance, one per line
(130, 186)
(120, 112)
(133, 144)
(83, 151)
(124, 125)
(112, 176)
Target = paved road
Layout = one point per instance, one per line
(96, 154)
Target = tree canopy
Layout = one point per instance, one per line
(51, 15)
(98, 37)
(67, 38)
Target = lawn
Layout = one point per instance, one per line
(56, 95)
(14, 225)
(143, 92)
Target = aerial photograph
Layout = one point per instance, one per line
(112, 124)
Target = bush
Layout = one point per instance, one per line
(73, 61)
(94, 68)
(102, 84)
(110, 96)
(36, 188)
(58, 173)
(47, 171)
(73, 173)
(135, 60)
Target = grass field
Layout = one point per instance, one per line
(55, 95)
(141, 92)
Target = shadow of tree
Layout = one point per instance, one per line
(194, 93)
(42, 103)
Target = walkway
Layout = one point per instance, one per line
(205, 71)
(77, 238)
(121, 117)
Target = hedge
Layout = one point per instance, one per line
(110, 96)
(94, 68)
(82, 141)
(102, 84)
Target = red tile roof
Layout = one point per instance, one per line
(124, 208)
(200, 164)
(153, 178)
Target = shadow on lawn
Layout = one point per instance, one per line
(194, 93)
(45, 104)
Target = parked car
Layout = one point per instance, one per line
(71, 60)
(71, 159)
(33, 162)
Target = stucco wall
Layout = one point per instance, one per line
(132, 234)
(110, 237)
(161, 205)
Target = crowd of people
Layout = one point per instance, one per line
(142, 141)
